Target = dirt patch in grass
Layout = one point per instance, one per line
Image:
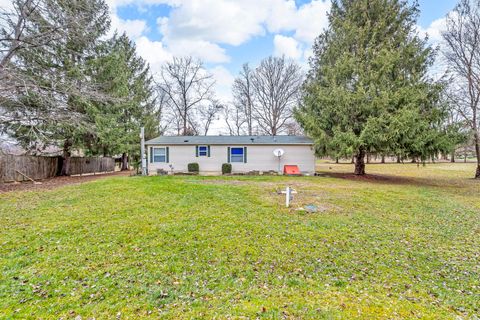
(57, 182)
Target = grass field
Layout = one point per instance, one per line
(402, 243)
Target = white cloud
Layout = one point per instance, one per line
(204, 50)
(311, 19)
(287, 46)
(282, 16)
(133, 28)
(307, 21)
(154, 52)
(227, 22)
(6, 5)
(200, 27)
(119, 3)
(434, 30)
(235, 22)
(223, 83)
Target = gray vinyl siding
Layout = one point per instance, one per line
(260, 157)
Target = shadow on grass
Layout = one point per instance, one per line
(390, 179)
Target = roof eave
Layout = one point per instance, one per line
(226, 144)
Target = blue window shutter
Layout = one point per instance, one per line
(196, 151)
(245, 154)
(228, 155)
(208, 152)
(167, 151)
(151, 154)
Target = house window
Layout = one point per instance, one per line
(159, 154)
(202, 151)
(237, 155)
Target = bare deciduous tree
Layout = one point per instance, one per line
(462, 53)
(293, 128)
(276, 84)
(234, 119)
(162, 107)
(243, 96)
(188, 87)
(208, 114)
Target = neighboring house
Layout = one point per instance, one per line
(245, 153)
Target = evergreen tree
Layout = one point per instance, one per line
(125, 77)
(53, 104)
(368, 90)
(72, 56)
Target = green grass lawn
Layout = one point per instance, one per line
(404, 243)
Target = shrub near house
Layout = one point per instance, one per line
(193, 167)
(226, 168)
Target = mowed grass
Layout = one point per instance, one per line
(404, 243)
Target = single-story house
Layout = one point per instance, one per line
(245, 153)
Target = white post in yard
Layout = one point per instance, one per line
(289, 192)
(287, 197)
(142, 151)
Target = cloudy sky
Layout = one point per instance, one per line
(227, 33)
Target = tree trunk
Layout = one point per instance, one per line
(360, 162)
(353, 160)
(124, 161)
(184, 129)
(398, 159)
(452, 159)
(477, 153)
(368, 157)
(336, 160)
(67, 153)
(383, 159)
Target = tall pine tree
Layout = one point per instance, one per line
(53, 105)
(126, 78)
(368, 89)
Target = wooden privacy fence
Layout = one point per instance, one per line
(35, 167)
(91, 165)
(39, 168)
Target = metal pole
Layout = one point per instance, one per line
(142, 151)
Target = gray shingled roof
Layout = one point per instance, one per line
(229, 140)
